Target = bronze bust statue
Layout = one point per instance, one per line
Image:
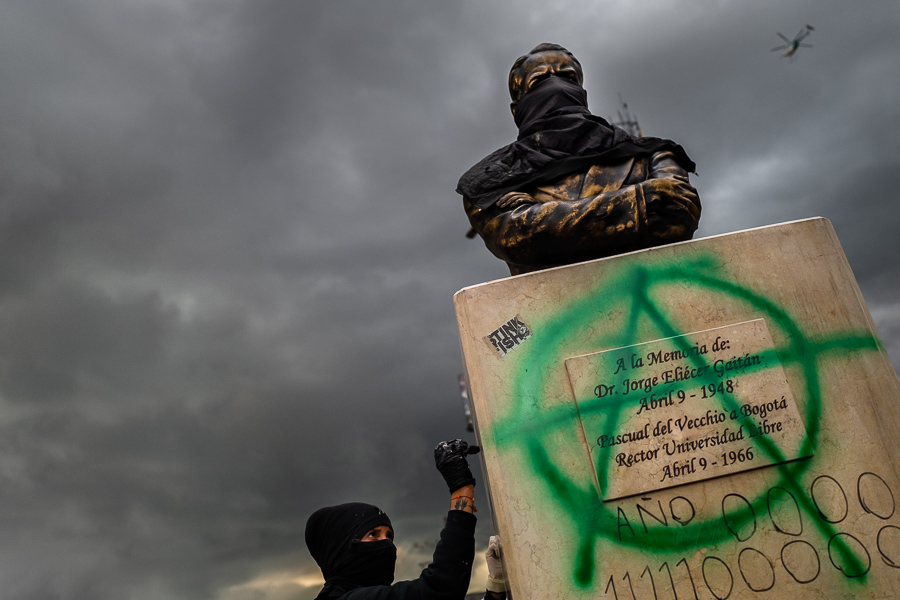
(572, 187)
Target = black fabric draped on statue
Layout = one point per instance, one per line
(333, 537)
(557, 136)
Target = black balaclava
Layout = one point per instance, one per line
(333, 537)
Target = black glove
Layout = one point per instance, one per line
(450, 460)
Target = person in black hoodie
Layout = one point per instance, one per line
(353, 543)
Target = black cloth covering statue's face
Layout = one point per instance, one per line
(333, 537)
(536, 67)
(551, 97)
(558, 135)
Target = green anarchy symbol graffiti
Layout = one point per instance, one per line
(635, 287)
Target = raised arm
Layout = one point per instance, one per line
(448, 575)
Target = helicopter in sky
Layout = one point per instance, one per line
(789, 49)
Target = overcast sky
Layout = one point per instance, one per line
(229, 241)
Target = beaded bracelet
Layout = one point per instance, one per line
(474, 509)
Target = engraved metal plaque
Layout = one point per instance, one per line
(685, 409)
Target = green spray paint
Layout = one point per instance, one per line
(529, 423)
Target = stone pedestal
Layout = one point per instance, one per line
(710, 419)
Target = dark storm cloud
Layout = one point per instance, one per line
(229, 242)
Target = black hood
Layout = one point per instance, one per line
(333, 537)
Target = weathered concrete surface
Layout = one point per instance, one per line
(819, 527)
